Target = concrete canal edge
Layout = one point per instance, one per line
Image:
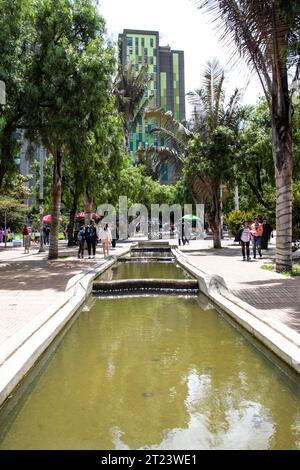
(20, 352)
(280, 339)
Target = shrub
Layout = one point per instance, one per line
(234, 220)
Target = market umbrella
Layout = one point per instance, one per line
(81, 215)
(190, 217)
(47, 219)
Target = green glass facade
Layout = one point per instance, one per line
(166, 80)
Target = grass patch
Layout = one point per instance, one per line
(293, 273)
(268, 267)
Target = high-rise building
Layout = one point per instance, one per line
(166, 81)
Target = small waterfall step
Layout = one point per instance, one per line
(147, 285)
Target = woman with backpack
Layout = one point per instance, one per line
(81, 242)
(91, 238)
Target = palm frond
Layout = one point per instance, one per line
(153, 158)
(169, 127)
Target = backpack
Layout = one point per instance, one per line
(88, 232)
(80, 236)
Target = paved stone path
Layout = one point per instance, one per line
(30, 283)
(276, 295)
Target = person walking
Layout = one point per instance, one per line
(106, 238)
(244, 236)
(266, 235)
(1, 235)
(257, 231)
(81, 242)
(26, 239)
(47, 235)
(91, 238)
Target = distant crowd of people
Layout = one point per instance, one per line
(258, 232)
(6, 235)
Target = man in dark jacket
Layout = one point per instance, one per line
(91, 238)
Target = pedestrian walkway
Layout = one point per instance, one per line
(31, 283)
(275, 295)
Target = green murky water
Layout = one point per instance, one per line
(158, 372)
(145, 270)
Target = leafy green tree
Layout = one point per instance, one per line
(255, 164)
(70, 84)
(16, 29)
(12, 206)
(207, 154)
(266, 33)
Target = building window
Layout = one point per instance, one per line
(155, 68)
(130, 50)
(137, 51)
(151, 60)
(154, 51)
(129, 41)
(146, 51)
(151, 42)
(140, 60)
(136, 41)
(143, 42)
(146, 60)
(137, 67)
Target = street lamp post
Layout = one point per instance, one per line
(41, 151)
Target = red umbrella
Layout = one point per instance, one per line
(80, 215)
(47, 219)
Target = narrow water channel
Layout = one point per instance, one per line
(155, 372)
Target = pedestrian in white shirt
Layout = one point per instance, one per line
(245, 236)
(106, 238)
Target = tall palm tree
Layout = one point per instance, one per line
(205, 153)
(262, 31)
(129, 89)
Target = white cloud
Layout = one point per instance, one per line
(183, 27)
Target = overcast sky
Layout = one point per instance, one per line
(182, 27)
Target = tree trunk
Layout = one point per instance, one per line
(71, 227)
(72, 218)
(6, 157)
(56, 203)
(283, 205)
(214, 217)
(126, 141)
(283, 160)
(88, 202)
